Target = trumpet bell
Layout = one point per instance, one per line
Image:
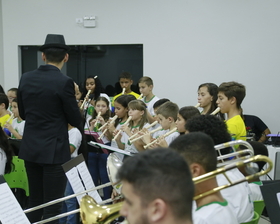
(92, 213)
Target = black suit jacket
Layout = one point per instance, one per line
(46, 101)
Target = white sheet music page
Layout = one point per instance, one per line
(278, 198)
(75, 182)
(10, 210)
(88, 182)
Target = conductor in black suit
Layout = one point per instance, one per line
(47, 103)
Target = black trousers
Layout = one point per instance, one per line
(46, 183)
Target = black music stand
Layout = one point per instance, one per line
(271, 195)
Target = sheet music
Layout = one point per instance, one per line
(75, 182)
(10, 210)
(111, 148)
(88, 182)
(278, 198)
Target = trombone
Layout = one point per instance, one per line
(113, 164)
(91, 213)
(227, 158)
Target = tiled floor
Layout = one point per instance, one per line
(264, 220)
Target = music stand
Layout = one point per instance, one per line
(271, 195)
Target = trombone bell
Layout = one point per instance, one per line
(92, 213)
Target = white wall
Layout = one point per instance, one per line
(185, 43)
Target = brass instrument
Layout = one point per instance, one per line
(91, 213)
(123, 91)
(113, 164)
(197, 105)
(222, 170)
(224, 159)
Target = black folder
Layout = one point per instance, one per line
(271, 195)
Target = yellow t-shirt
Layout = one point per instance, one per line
(236, 128)
(4, 119)
(131, 93)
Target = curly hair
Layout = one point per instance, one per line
(212, 126)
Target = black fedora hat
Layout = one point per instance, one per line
(54, 41)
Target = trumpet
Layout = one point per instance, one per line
(128, 119)
(94, 214)
(123, 91)
(149, 126)
(151, 132)
(88, 93)
(197, 105)
(216, 111)
(165, 135)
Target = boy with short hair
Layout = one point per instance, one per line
(239, 195)
(230, 97)
(146, 86)
(4, 114)
(167, 115)
(198, 150)
(125, 80)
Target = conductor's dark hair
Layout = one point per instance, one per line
(212, 126)
(4, 99)
(197, 147)
(161, 173)
(55, 55)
